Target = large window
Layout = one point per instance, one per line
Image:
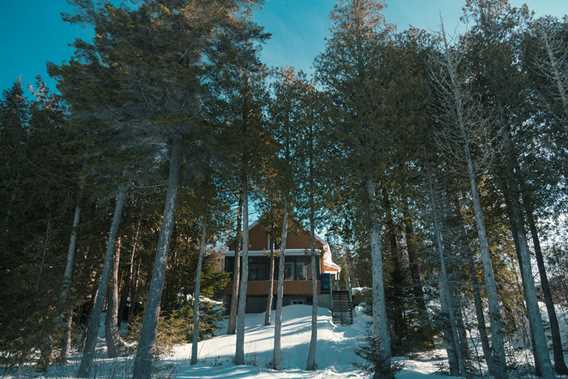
(295, 268)
(258, 268)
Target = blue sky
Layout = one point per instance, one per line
(33, 32)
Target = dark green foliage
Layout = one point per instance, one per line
(176, 326)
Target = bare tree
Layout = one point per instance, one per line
(143, 359)
(232, 324)
(270, 296)
(67, 314)
(241, 314)
(197, 291)
(277, 353)
(447, 301)
(459, 115)
(94, 318)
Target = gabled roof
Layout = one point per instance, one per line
(329, 265)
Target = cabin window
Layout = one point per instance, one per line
(301, 270)
(295, 268)
(289, 269)
(258, 268)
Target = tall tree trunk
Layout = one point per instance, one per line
(498, 345)
(457, 103)
(277, 353)
(397, 277)
(232, 324)
(112, 334)
(67, 282)
(94, 318)
(513, 191)
(126, 297)
(44, 251)
(241, 314)
(197, 291)
(559, 363)
(453, 346)
(380, 322)
(478, 303)
(311, 365)
(270, 295)
(135, 293)
(143, 359)
(410, 237)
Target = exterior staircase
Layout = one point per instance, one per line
(342, 307)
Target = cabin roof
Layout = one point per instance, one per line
(297, 243)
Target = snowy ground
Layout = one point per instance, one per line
(336, 353)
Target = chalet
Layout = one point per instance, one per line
(297, 273)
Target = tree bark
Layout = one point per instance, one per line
(277, 353)
(410, 237)
(498, 348)
(197, 291)
(380, 322)
(397, 278)
(457, 101)
(232, 324)
(128, 291)
(112, 335)
(241, 314)
(143, 359)
(270, 295)
(512, 193)
(480, 316)
(44, 251)
(94, 318)
(67, 282)
(559, 362)
(311, 364)
(453, 346)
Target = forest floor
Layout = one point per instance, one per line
(336, 353)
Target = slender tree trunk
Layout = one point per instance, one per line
(112, 335)
(127, 293)
(270, 295)
(94, 318)
(498, 348)
(559, 363)
(44, 251)
(67, 333)
(135, 292)
(540, 348)
(143, 360)
(410, 237)
(277, 353)
(241, 314)
(311, 365)
(380, 322)
(67, 282)
(478, 303)
(197, 291)
(457, 103)
(457, 365)
(232, 324)
(397, 278)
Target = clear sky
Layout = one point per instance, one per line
(33, 33)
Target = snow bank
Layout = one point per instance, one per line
(336, 353)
